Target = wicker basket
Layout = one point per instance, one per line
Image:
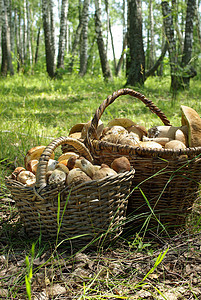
(89, 209)
(166, 182)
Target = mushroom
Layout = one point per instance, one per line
(77, 176)
(150, 144)
(181, 136)
(71, 162)
(175, 144)
(125, 138)
(59, 174)
(165, 131)
(160, 140)
(16, 172)
(51, 164)
(98, 132)
(191, 118)
(27, 178)
(116, 130)
(123, 122)
(121, 164)
(35, 153)
(86, 166)
(139, 130)
(67, 155)
(111, 138)
(32, 166)
(76, 128)
(103, 172)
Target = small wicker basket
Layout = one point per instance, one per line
(86, 211)
(166, 182)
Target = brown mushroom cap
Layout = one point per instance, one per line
(16, 172)
(35, 153)
(192, 119)
(121, 164)
(175, 144)
(32, 166)
(139, 130)
(77, 176)
(67, 155)
(103, 172)
(71, 162)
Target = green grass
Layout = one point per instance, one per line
(35, 110)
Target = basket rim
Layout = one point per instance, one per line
(137, 150)
(72, 187)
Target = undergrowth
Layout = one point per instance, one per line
(34, 111)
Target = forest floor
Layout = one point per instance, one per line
(170, 270)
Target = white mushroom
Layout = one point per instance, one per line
(86, 166)
(59, 174)
(27, 178)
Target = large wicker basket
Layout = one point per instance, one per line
(86, 211)
(166, 182)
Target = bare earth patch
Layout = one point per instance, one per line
(117, 272)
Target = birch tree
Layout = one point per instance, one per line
(62, 34)
(84, 39)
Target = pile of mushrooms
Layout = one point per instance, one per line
(125, 132)
(69, 168)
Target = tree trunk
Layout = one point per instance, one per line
(5, 36)
(62, 35)
(120, 62)
(169, 31)
(136, 72)
(84, 39)
(188, 43)
(49, 47)
(151, 43)
(101, 47)
(157, 63)
(37, 45)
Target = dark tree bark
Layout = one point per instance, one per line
(136, 71)
(100, 42)
(5, 42)
(154, 68)
(62, 35)
(49, 47)
(37, 45)
(169, 32)
(188, 43)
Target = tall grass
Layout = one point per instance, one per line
(35, 110)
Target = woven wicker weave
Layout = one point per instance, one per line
(169, 179)
(92, 208)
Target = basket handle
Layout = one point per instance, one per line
(110, 99)
(45, 156)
